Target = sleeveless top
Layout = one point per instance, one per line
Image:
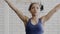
(34, 29)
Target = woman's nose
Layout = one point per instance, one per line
(35, 9)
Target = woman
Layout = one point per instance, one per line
(33, 25)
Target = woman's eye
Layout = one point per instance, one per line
(32, 7)
(37, 8)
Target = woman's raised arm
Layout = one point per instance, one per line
(17, 11)
(48, 16)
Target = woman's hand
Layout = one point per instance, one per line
(57, 7)
(5, 0)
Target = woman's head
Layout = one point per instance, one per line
(35, 8)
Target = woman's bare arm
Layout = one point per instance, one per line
(48, 16)
(18, 12)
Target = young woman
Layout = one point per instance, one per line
(33, 25)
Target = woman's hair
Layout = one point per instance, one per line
(41, 8)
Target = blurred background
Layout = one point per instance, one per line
(11, 24)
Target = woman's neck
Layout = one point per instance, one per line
(35, 17)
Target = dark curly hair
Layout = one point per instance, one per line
(41, 8)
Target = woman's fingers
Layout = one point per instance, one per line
(59, 5)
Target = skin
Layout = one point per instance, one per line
(35, 9)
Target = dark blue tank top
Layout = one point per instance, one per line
(34, 29)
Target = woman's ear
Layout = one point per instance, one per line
(42, 7)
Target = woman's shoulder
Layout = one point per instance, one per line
(42, 19)
(28, 19)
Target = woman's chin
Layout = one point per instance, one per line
(34, 15)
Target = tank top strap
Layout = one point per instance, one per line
(40, 20)
(28, 21)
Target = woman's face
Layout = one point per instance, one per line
(35, 9)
